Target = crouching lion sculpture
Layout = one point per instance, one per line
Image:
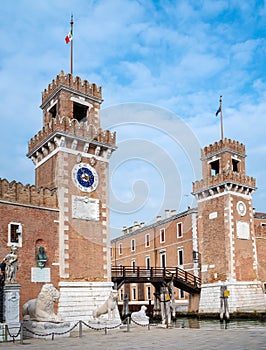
(41, 309)
(108, 307)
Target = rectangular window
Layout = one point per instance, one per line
(163, 259)
(148, 262)
(14, 234)
(162, 235)
(120, 249)
(80, 112)
(179, 229)
(235, 164)
(195, 256)
(133, 293)
(147, 240)
(132, 245)
(181, 294)
(111, 252)
(215, 167)
(180, 257)
(52, 110)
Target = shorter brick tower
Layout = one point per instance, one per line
(226, 230)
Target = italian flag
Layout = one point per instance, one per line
(69, 37)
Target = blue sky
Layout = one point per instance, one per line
(172, 59)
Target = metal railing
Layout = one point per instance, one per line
(122, 274)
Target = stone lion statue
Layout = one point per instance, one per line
(140, 316)
(108, 307)
(41, 309)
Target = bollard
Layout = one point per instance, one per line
(80, 329)
(128, 324)
(149, 326)
(105, 330)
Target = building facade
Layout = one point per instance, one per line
(169, 242)
(222, 240)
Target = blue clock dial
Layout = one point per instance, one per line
(85, 177)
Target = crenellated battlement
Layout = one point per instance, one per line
(221, 145)
(75, 83)
(16, 192)
(72, 126)
(240, 180)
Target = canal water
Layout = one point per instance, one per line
(187, 322)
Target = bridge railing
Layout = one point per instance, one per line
(185, 276)
(123, 272)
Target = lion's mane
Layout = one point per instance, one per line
(42, 308)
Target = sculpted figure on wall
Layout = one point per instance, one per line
(42, 308)
(41, 257)
(11, 261)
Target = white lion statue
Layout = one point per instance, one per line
(107, 307)
(42, 308)
(140, 316)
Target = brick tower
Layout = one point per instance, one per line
(226, 229)
(71, 154)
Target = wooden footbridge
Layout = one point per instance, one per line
(156, 276)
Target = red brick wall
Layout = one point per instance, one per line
(37, 224)
(45, 174)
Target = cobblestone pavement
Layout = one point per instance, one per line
(156, 338)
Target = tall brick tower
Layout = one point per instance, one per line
(226, 229)
(71, 154)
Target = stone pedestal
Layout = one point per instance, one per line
(11, 308)
(78, 300)
(246, 297)
(45, 330)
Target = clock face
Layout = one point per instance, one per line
(85, 177)
(241, 208)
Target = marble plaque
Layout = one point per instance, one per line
(40, 275)
(242, 229)
(12, 306)
(85, 208)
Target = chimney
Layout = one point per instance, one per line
(136, 226)
(159, 218)
(173, 212)
(167, 213)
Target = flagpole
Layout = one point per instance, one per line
(221, 118)
(71, 45)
